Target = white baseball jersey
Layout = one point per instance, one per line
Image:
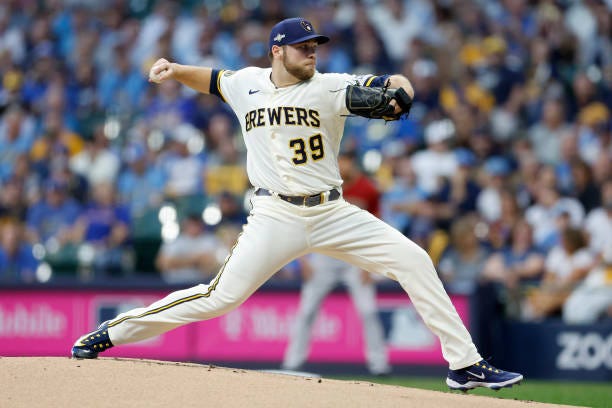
(292, 133)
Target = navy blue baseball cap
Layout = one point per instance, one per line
(293, 31)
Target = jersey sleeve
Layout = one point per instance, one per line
(226, 84)
(215, 88)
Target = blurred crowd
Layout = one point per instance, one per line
(502, 171)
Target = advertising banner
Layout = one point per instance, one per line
(555, 350)
(47, 323)
(258, 331)
(38, 323)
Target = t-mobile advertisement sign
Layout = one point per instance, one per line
(259, 329)
(47, 323)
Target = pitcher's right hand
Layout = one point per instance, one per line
(161, 70)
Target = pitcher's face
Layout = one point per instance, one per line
(300, 59)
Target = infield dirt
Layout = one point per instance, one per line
(110, 382)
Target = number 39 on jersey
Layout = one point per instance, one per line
(304, 150)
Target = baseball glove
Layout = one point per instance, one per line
(374, 102)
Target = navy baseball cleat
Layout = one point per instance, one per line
(481, 374)
(89, 345)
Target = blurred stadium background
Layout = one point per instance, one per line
(502, 172)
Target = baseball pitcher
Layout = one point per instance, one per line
(292, 119)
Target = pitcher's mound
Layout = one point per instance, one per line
(109, 382)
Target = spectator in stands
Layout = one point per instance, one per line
(425, 78)
(53, 216)
(495, 174)
(41, 62)
(113, 35)
(232, 209)
(592, 299)
(585, 93)
(568, 155)
(17, 262)
(459, 192)
(497, 234)
(121, 88)
(169, 108)
(104, 227)
(462, 262)
(438, 160)
(584, 188)
(55, 137)
(515, 267)
(598, 223)
(602, 167)
(566, 266)
(370, 56)
(192, 256)
(58, 168)
(12, 201)
(205, 53)
(221, 142)
(183, 171)
(467, 120)
(526, 184)
(11, 81)
(24, 174)
(482, 144)
(594, 131)
(545, 136)
(56, 99)
(83, 102)
(97, 162)
(401, 202)
(140, 185)
(154, 24)
(11, 37)
(398, 24)
(503, 77)
(16, 138)
(544, 215)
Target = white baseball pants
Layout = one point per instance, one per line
(327, 273)
(278, 232)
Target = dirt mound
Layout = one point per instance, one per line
(109, 382)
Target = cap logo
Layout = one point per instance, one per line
(306, 25)
(279, 37)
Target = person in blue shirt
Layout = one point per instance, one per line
(104, 226)
(399, 204)
(140, 185)
(52, 217)
(122, 87)
(16, 138)
(17, 262)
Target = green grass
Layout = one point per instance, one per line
(586, 394)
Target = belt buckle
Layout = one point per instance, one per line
(311, 201)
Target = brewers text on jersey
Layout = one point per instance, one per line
(282, 116)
